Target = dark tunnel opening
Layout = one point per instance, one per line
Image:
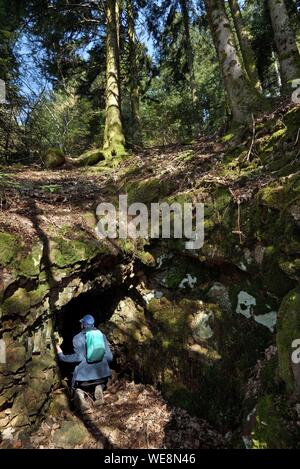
(100, 304)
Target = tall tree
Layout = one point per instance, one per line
(114, 139)
(134, 84)
(244, 38)
(243, 97)
(285, 42)
(184, 5)
(170, 23)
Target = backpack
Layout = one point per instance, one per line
(95, 346)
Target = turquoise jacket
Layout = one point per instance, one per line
(87, 371)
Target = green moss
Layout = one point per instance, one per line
(22, 300)
(180, 198)
(146, 258)
(147, 190)
(126, 245)
(37, 295)
(115, 155)
(222, 198)
(282, 193)
(228, 137)
(292, 121)
(278, 134)
(186, 155)
(9, 247)
(52, 188)
(67, 252)
(288, 329)
(54, 158)
(171, 318)
(290, 267)
(270, 431)
(18, 303)
(29, 266)
(130, 170)
(89, 158)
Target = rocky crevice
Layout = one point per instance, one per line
(193, 323)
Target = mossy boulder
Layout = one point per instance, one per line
(288, 329)
(71, 433)
(53, 158)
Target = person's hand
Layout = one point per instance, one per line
(58, 349)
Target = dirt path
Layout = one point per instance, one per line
(133, 416)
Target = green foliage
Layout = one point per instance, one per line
(62, 120)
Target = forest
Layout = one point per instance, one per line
(150, 217)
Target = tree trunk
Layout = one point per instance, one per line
(244, 36)
(286, 44)
(244, 99)
(189, 51)
(114, 139)
(134, 86)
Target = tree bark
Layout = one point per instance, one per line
(244, 36)
(114, 139)
(244, 99)
(134, 85)
(285, 43)
(184, 5)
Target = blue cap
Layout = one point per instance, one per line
(87, 321)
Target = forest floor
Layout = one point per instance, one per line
(65, 194)
(133, 416)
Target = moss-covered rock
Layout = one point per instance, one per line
(283, 193)
(29, 266)
(271, 430)
(147, 190)
(70, 434)
(288, 329)
(67, 252)
(53, 158)
(22, 300)
(9, 247)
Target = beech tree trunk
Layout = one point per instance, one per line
(244, 37)
(244, 99)
(285, 43)
(114, 139)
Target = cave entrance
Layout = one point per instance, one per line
(100, 304)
